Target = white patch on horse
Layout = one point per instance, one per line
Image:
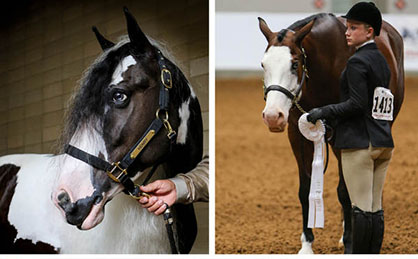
(306, 246)
(31, 211)
(192, 93)
(277, 62)
(127, 228)
(184, 114)
(121, 68)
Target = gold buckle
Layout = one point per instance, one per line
(169, 83)
(122, 171)
(141, 194)
(171, 133)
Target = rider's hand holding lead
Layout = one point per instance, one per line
(314, 115)
(163, 193)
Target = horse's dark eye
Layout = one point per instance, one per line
(120, 98)
(294, 65)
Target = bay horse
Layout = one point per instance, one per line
(56, 203)
(314, 52)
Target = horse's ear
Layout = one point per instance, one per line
(265, 29)
(138, 39)
(104, 43)
(300, 35)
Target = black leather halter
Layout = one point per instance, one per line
(293, 97)
(120, 171)
(295, 100)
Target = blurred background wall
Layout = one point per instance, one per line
(46, 45)
(240, 44)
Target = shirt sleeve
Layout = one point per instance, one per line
(194, 185)
(356, 74)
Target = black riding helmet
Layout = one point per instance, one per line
(367, 13)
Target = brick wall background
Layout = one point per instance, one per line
(46, 45)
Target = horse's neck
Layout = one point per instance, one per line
(184, 157)
(327, 54)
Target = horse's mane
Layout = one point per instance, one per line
(87, 101)
(298, 24)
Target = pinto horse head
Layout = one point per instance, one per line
(117, 101)
(281, 64)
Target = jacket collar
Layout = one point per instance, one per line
(367, 45)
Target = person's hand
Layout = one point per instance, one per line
(162, 192)
(314, 115)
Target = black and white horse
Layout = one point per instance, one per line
(48, 201)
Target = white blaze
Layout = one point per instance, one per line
(121, 68)
(277, 63)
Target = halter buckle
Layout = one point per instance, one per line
(139, 194)
(170, 132)
(122, 172)
(166, 78)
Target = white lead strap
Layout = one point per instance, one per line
(315, 132)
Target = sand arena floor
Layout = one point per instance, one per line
(257, 205)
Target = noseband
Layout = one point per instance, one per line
(293, 97)
(119, 171)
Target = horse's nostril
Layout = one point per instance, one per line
(63, 198)
(98, 199)
(64, 202)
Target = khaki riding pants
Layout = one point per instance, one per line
(364, 173)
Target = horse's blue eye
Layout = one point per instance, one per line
(119, 97)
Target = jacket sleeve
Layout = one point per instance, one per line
(194, 185)
(357, 103)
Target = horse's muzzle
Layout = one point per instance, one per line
(275, 121)
(77, 212)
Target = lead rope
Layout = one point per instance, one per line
(168, 217)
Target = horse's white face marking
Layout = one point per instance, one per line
(277, 62)
(121, 68)
(184, 114)
(75, 176)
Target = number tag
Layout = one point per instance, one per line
(382, 104)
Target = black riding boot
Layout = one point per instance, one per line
(377, 232)
(362, 231)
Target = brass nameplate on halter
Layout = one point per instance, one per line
(142, 144)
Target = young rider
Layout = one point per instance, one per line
(363, 131)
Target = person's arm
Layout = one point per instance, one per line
(194, 185)
(183, 188)
(356, 74)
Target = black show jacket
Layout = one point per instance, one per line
(355, 126)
